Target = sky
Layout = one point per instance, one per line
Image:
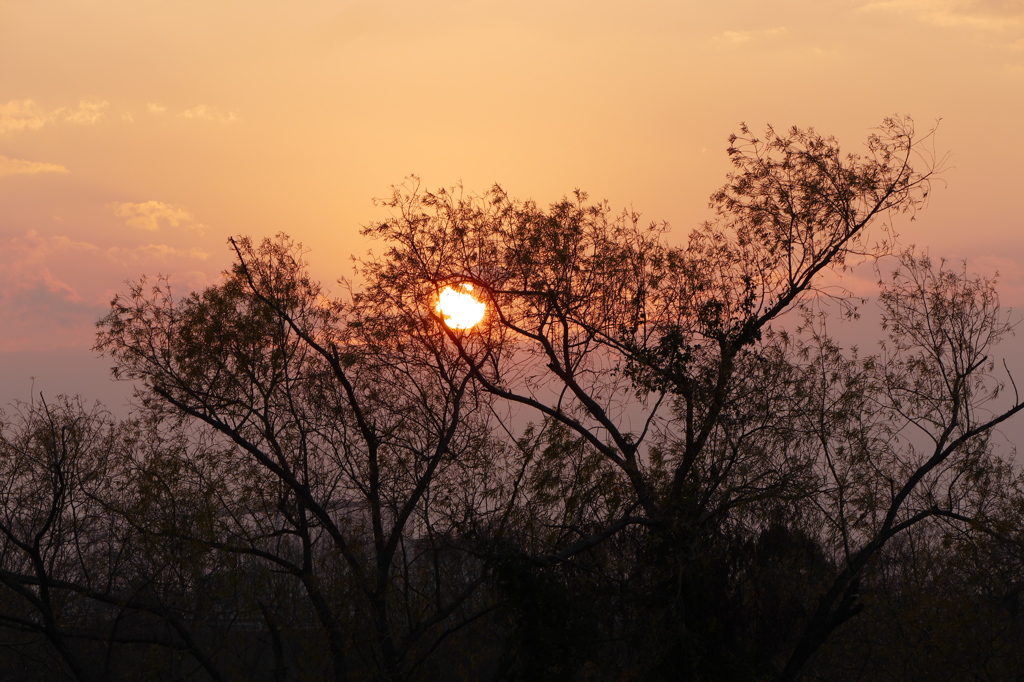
(136, 136)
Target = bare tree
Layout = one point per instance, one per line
(68, 559)
(903, 439)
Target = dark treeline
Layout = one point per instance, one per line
(633, 469)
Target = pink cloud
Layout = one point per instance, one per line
(987, 15)
(1009, 274)
(25, 261)
(54, 288)
(40, 307)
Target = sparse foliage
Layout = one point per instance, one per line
(648, 462)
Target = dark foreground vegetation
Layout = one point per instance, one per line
(624, 473)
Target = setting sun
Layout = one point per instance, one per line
(459, 308)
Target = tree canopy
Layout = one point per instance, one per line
(648, 461)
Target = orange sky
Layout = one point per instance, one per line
(135, 137)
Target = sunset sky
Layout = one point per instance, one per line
(136, 136)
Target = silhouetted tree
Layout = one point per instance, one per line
(70, 565)
(348, 449)
(649, 461)
(663, 361)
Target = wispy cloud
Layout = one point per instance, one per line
(19, 115)
(152, 252)
(54, 288)
(1008, 272)
(738, 37)
(200, 112)
(206, 113)
(151, 215)
(26, 264)
(87, 113)
(24, 114)
(22, 167)
(989, 15)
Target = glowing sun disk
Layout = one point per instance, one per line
(458, 307)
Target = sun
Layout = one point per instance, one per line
(459, 308)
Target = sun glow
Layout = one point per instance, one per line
(459, 308)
